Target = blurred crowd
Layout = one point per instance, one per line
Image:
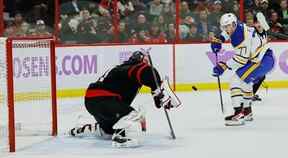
(28, 18)
(136, 21)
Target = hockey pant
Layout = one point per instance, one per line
(257, 85)
(107, 111)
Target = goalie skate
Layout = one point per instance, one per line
(237, 119)
(119, 141)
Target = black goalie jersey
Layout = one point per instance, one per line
(124, 82)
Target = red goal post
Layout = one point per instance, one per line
(11, 46)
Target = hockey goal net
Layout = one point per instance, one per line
(27, 91)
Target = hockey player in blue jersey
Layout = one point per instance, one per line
(252, 60)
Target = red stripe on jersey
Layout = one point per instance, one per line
(100, 93)
(130, 71)
(138, 73)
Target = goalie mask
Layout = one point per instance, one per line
(135, 58)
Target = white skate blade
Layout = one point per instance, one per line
(248, 117)
(132, 143)
(235, 123)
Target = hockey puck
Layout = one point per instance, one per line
(194, 88)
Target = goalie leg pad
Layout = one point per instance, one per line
(128, 120)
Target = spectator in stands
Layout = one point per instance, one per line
(41, 29)
(37, 12)
(161, 23)
(123, 36)
(257, 5)
(141, 23)
(93, 9)
(248, 13)
(21, 25)
(105, 8)
(138, 5)
(261, 6)
(104, 30)
(284, 12)
(231, 6)
(72, 7)
(185, 10)
(183, 31)
(133, 39)
(248, 4)
(199, 5)
(193, 34)
(216, 13)
(10, 29)
(155, 34)
(203, 24)
(275, 24)
(171, 33)
(236, 7)
(86, 27)
(169, 12)
(143, 36)
(69, 30)
(125, 7)
(166, 1)
(155, 8)
(250, 21)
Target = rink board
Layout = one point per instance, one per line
(186, 65)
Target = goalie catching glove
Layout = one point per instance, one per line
(165, 97)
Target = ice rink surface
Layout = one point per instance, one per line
(198, 125)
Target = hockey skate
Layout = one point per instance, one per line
(248, 115)
(119, 140)
(237, 119)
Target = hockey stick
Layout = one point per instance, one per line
(219, 87)
(158, 86)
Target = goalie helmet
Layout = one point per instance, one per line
(226, 19)
(135, 58)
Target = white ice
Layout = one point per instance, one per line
(198, 125)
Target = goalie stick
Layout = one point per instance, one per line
(158, 86)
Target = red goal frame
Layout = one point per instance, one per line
(10, 88)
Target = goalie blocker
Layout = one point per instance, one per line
(109, 100)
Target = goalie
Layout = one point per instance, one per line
(108, 100)
(252, 60)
